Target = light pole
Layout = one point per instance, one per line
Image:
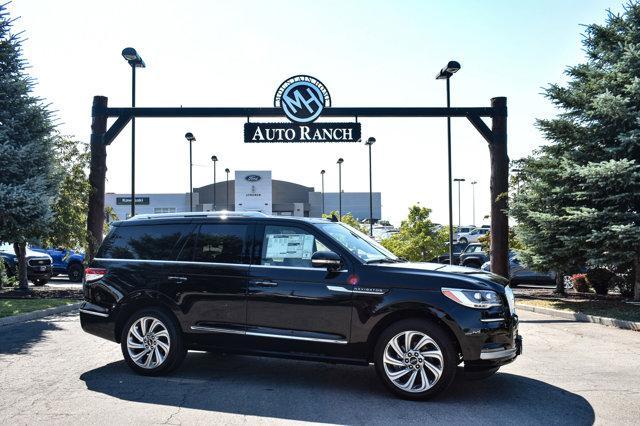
(445, 74)
(322, 174)
(132, 57)
(459, 180)
(189, 136)
(215, 160)
(227, 172)
(370, 142)
(340, 161)
(473, 198)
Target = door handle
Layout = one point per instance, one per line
(177, 279)
(264, 283)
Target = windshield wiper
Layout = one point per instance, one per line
(384, 260)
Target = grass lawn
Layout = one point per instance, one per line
(9, 307)
(601, 308)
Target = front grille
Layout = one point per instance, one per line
(42, 261)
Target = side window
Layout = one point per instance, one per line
(221, 243)
(289, 246)
(144, 242)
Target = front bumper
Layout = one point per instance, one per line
(39, 272)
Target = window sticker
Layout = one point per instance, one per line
(289, 246)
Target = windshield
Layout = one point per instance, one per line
(6, 247)
(357, 243)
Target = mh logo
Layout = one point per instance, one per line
(302, 98)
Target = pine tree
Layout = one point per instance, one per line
(580, 201)
(27, 181)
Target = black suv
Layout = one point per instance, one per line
(473, 256)
(293, 287)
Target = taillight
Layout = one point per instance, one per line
(94, 274)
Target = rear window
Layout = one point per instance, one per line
(144, 242)
(218, 243)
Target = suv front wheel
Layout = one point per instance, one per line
(152, 343)
(415, 359)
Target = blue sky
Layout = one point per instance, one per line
(367, 53)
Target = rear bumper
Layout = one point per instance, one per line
(98, 321)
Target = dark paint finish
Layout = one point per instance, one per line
(305, 313)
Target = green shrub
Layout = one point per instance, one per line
(599, 279)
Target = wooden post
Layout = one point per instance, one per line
(499, 189)
(97, 176)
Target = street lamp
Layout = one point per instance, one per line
(459, 206)
(473, 197)
(227, 172)
(322, 174)
(132, 57)
(445, 74)
(189, 137)
(370, 142)
(340, 161)
(215, 160)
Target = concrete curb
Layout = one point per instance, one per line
(578, 316)
(15, 319)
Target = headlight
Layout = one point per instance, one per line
(479, 299)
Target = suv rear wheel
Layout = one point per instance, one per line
(152, 343)
(415, 359)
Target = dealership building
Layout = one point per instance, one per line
(250, 191)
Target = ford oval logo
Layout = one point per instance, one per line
(253, 178)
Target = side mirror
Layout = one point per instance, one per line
(326, 259)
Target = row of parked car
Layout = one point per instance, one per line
(473, 256)
(42, 264)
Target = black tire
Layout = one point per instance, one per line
(75, 272)
(39, 282)
(463, 240)
(480, 375)
(444, 344)
(177, 350)
(475, 265)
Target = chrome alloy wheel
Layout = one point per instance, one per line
(148, 342)
(413, 361)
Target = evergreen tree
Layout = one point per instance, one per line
(27, 181)
(580, 198)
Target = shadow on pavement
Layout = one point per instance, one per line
(306, 391)
(19, 338)
(547, 321)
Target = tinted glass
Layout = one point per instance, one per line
(221, 243)
(145, 242)
(289, 246)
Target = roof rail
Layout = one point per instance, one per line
(220, 214)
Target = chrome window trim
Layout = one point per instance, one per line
(274, 336)
(497, 354)
(174, 262)
(302, 268)
(98, 314)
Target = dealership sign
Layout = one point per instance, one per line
(302, 99)
(126, 201)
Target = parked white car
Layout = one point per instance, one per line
(473, 235)
(462, 232)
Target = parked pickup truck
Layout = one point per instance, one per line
(38, 264)
(65, 261)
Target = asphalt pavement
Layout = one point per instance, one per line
(570, 373)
